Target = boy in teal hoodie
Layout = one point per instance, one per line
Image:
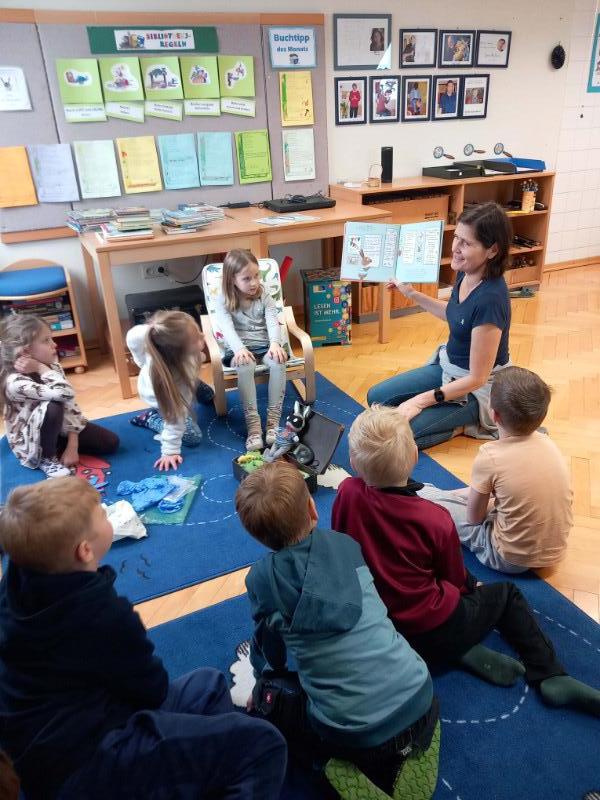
(365, 700)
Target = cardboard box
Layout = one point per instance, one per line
(327, 306)
(322, 435)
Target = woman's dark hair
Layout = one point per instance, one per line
(491, 227)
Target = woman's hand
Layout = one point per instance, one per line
(407, 289)
(413, 407)
(168, 462)
(277, 353)
(243, 356)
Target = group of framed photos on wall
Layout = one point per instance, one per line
(363, 41)
(419, 98)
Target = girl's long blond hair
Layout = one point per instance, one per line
(174, 364)
(17, 332)
(235, 261)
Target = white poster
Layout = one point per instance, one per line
(171, 39)
(298, 154)
(13, 90)
(292, 48)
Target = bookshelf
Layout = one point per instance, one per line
(59, 310)
(423, 197)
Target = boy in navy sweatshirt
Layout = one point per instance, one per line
(413, 550)
(366, 697)
(86, 709)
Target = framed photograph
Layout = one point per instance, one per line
(362, 41)
(446, 96)
(416, 96)
(476, 89)
(350, 101)
(418, 47)
(384, 93)
(456, 49)
(594, 76)
(493, 48)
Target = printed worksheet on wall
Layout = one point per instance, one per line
(380, 253)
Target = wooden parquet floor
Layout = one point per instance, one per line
(556, 334)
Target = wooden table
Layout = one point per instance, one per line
(239, 229)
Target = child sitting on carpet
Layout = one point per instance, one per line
(44, 425)
(412, 547)
(168, 351)
(86, 709)
(361, 694)
(526, 475)
(247, 316)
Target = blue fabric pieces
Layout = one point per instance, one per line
(145, 493)
(171, 506)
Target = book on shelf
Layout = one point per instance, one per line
(379, 253)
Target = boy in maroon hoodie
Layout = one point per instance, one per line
(412, 548)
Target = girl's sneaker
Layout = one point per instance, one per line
(52, 468)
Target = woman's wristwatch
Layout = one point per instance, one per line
(439, 395)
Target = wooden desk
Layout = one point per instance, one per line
(238, 229)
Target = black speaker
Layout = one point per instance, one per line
(387, 164)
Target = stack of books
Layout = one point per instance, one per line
(128, 223)
(190, 218)
(89, 219)
(56, 312)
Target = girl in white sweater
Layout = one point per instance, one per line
(168, 351)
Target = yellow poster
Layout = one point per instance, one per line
(139, 164)
(296, 98)
(16, 183)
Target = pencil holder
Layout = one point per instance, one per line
(528, 201)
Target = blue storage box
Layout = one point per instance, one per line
(533, 164)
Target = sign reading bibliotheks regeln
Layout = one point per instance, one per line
(132, 40)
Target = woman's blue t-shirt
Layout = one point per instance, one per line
(488, 304)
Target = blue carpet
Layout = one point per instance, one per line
(500, 744)
(211, 542)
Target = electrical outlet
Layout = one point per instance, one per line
(155, 270)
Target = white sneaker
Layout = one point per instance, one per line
(52, 468)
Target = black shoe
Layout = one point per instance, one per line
(205, 394)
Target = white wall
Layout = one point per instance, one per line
(532, 107)
(575, 221)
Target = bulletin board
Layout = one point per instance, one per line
(34, 40)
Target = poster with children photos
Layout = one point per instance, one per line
(236, 76)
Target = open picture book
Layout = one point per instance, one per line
(379, 253)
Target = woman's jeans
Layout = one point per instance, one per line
(435, 424)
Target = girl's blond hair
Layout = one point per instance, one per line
(17, 332)
(173, 364)
(235, 261)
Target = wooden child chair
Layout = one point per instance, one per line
(226, 377)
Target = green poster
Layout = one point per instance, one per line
(162, 80)
(236, 76)
(78, 80)
(200, 76)
(253, 156)
(121, 79)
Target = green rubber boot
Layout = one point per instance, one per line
(416, 780)
(350, 783)
(418, 776)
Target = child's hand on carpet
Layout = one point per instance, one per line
(70, 457)
(168, 462)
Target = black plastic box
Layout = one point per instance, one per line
(141, 305)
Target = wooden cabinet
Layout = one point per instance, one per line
(421, 198)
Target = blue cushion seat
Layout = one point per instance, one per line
(25, 282)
